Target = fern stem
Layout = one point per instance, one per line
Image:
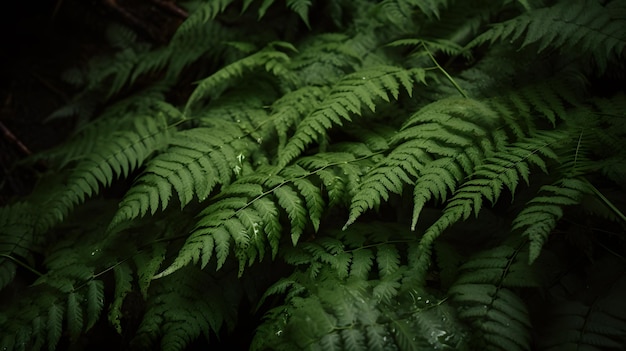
(607, 202)
(454, 83)
(22, 264)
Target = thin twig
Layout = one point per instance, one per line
(457, 86)
(9, 135)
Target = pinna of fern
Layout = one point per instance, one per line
(342, 293)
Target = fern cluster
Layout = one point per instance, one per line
(358, 175)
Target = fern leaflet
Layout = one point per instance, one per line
(587, 25)
(346, 98)
(542, 213)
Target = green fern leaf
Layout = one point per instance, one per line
(488, 304)
(74, 316)
(388, 260)
(55, 325)
(288, 110)
(289, 200)
(185, 306)
(206, 12)
(301, 7)
(586, 26)
(361, 264)
(271, 223)
(498, 170)
(123, 280)
(430, 8)
(345, 99)
(440, 134)
(405, 337)
(95, 302)
(198, 160)
(148, 263)
(239, 218)
(268, 58)
(16, 239)
(124, 151)
(481, 306)
(542, 213)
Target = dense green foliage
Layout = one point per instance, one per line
(336, 175)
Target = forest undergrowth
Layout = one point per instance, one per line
(332, 175)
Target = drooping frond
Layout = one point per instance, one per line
(484, 292)
(301, 7)
(67, 297)
(121, 153)
(341, 296)
(195, 162)
(185, 306)
(503, 169)
(16, 240)
(246, 214)
(346, 99)
(541, 214)
(429, 8)
(439, 145)
(587, 27)
(270, 58)
(587, 314)
(215, 172)
(207, 11)
(326, 58)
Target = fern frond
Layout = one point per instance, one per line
(121, 153)
(504, 168)
(64, 300)
(123, 285)
(541, 214)
(17, 241)
(487, 302)
(301, 7)
(236, 216)
(591, 315)
(203, 14)
(190, 43)
(352, 311)
(587, 26)
(431, 8)
(185, 306)
(197, 160)
(347, 98)
(148, 263)
(270, 58)
(439, 145)
(339, 173)
(289, 110)
(324, 59)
